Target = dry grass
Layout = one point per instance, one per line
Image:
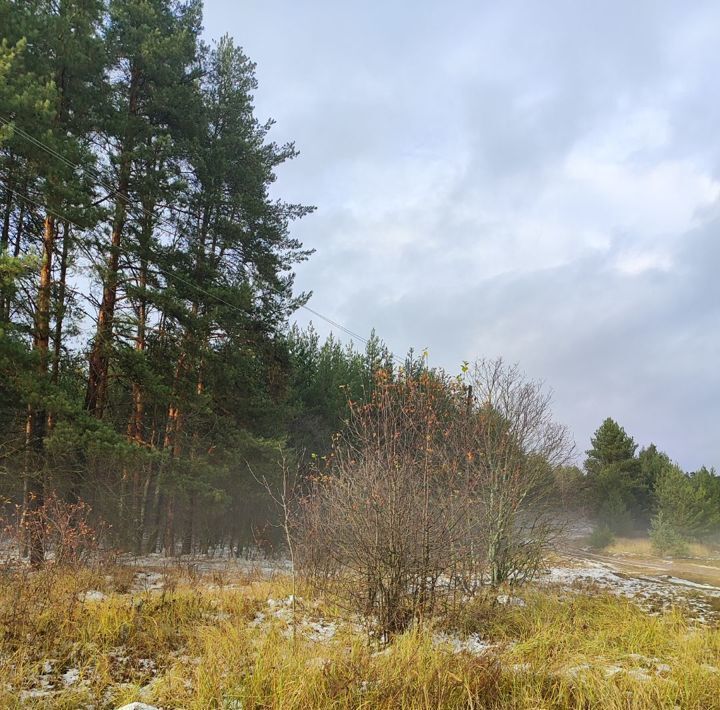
(642, 547)
(226, 643)
(600, 651)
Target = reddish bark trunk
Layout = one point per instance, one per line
(97, 387)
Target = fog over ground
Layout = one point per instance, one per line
(536, 180)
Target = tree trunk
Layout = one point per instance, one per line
(97, 386)
(141, 535)
(20, 225)
(36, 489)
(154, 536)
(37, 420)
(8, 208)
(135, 426)
(5, 241)
(60, 306)
(5, 244)
(188, 532)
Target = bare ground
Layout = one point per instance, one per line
(656, 583)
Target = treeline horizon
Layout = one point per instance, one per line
(626, 490)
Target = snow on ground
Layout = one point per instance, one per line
(652, 593)
(254, 564)
(634, 665)
(472, 644)
(71, 676)
(92, 595)
(322, 630)
(315, 629)
(49, 683)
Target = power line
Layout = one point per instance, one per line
(158, 219)
(48, 149)
(176, 277)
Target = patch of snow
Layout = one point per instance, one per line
(639, 674)
(71, 676)
(287, 603)
(119, 655)
(510, 600)
(367, 685)
(472, 644)
(138, 706)
(148, 581)
(223, 561)
(693, 585)
(319, 630)
(93, 595)
(575, 671)
(146, 664)
(315, 629)
(652, 593)
(35, 693)
(382, 652)
(317, 662)
(258, 620)
(610, 671)
(521, 668)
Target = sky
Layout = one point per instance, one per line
(537, 181)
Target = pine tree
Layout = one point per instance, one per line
(230, 271)
(707, 483)
(152, 46)
(681, 504)
(128, 145)
(59, 62)
(653, 464)
(613, 474)
(610, 444)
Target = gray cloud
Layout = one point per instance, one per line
(537, 180)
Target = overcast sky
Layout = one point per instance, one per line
(537, 180)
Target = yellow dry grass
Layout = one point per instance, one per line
(642, 547)
(200, 645)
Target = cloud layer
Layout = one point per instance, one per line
(537, 180)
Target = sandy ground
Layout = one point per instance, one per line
(704, 571)
(654, 583)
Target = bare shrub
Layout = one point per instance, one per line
(34, 596)
(285, 496)
(381, 523)
(511, 448)
(434, 487)
(63, 531)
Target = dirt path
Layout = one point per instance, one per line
(655, 583)
(702, 572)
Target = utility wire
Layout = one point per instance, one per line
(158, 219)
(170, 275)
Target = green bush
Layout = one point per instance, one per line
(614, 514)
(600, 538)
(666, 539)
